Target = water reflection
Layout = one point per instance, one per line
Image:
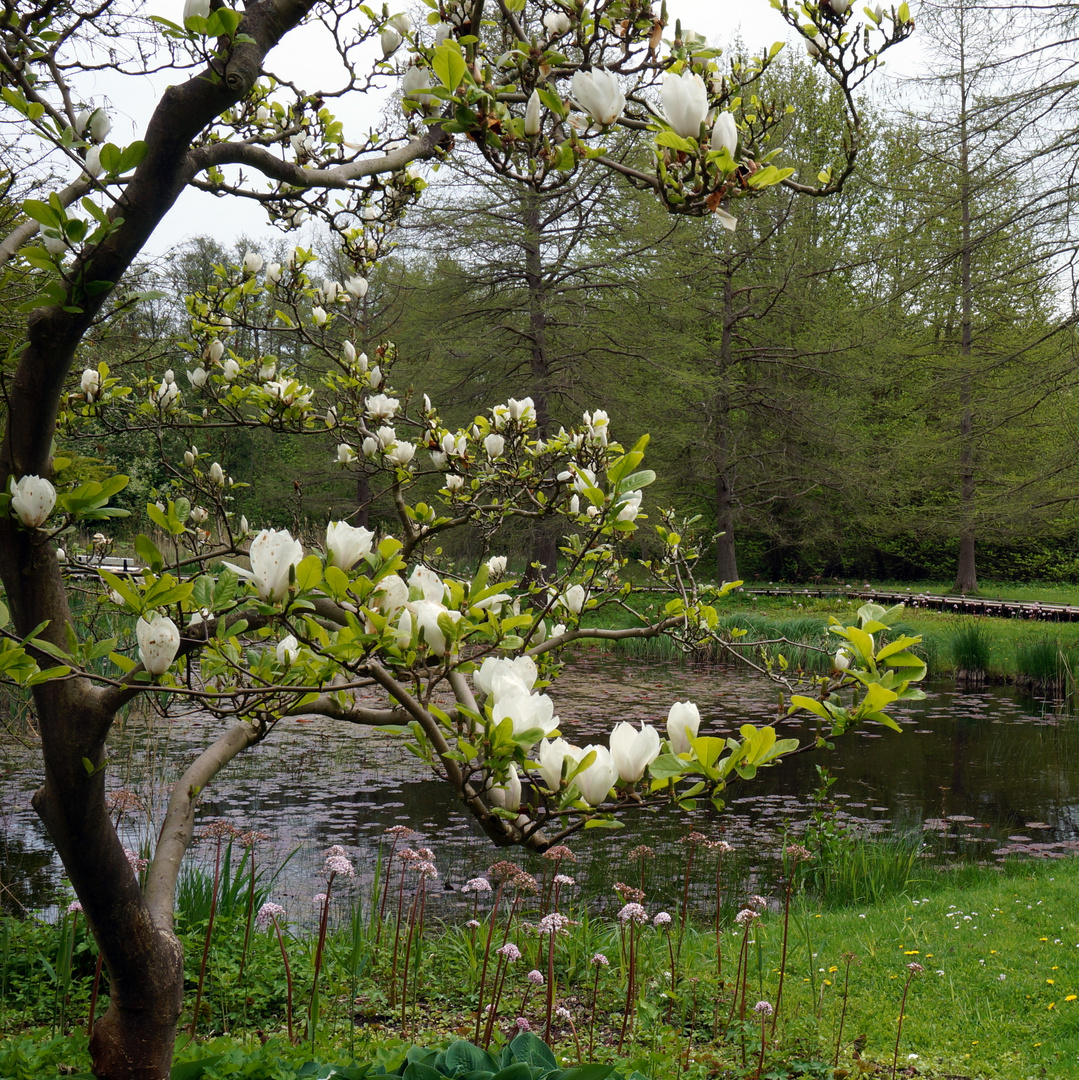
(983, 771)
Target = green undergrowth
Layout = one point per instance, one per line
(998, 996)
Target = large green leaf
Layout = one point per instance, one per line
(449, 65)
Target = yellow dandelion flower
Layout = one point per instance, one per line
(1071, 997)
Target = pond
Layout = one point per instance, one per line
(981, 773)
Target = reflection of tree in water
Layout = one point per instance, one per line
(29, 877)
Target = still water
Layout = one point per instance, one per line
(982, 773)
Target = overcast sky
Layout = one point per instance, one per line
(756, 23)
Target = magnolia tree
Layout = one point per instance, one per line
(370, 629)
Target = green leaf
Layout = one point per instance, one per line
(799, 701)
(193, 1070)
(676, 142)
(449, 65)
(668, 765)
(41, 212)
(308, 573)
(147, 550)
(132, 156)
(528, 1048)
(130, 595)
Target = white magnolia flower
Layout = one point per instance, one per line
(574, 598)
(159, 641)
(840, 7)
(494, 445)
(91, 383)
(632, 507)
(381, 407)
(267, 370)
(274, 274)
(196, 8)
(319, 316)
(230, 370)
(198, 377)
(402, 453)
(725, 133)
(454, 482)
(345, 454)
(356, 287)
(390, 594)
(533, 114)
(403, 632)
(415, 82)
(401, 23)
(288, 651)
(556, 23)
(92, 165)
(100, 125)
(273, 555)
(390, 40)
(426, 614)
(199, 514)
(215, 351)
(507, 795)
(598, 424)
(523, 410)
(633, 751)
(252, 262)
(598, 93)
(552, 754)
(166, 394)
(683, 722)
(347, 544)
(685, 102)
(595, 782)
(217, 474)
(428, 583)
(496, 566)
(32, 499)
(500, 674)
(330, 291)
(526, 711)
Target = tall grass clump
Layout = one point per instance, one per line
(864, 870)
(1044, 665)
(969, 647)
(802, 640)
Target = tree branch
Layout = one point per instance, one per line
(178, 827)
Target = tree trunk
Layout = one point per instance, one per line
(544, 541)
(726, 557)
(966, 578)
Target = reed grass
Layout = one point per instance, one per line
(969, 644)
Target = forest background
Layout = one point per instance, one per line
(876, 384)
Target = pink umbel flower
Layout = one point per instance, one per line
(340, 865)
(267, 914)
